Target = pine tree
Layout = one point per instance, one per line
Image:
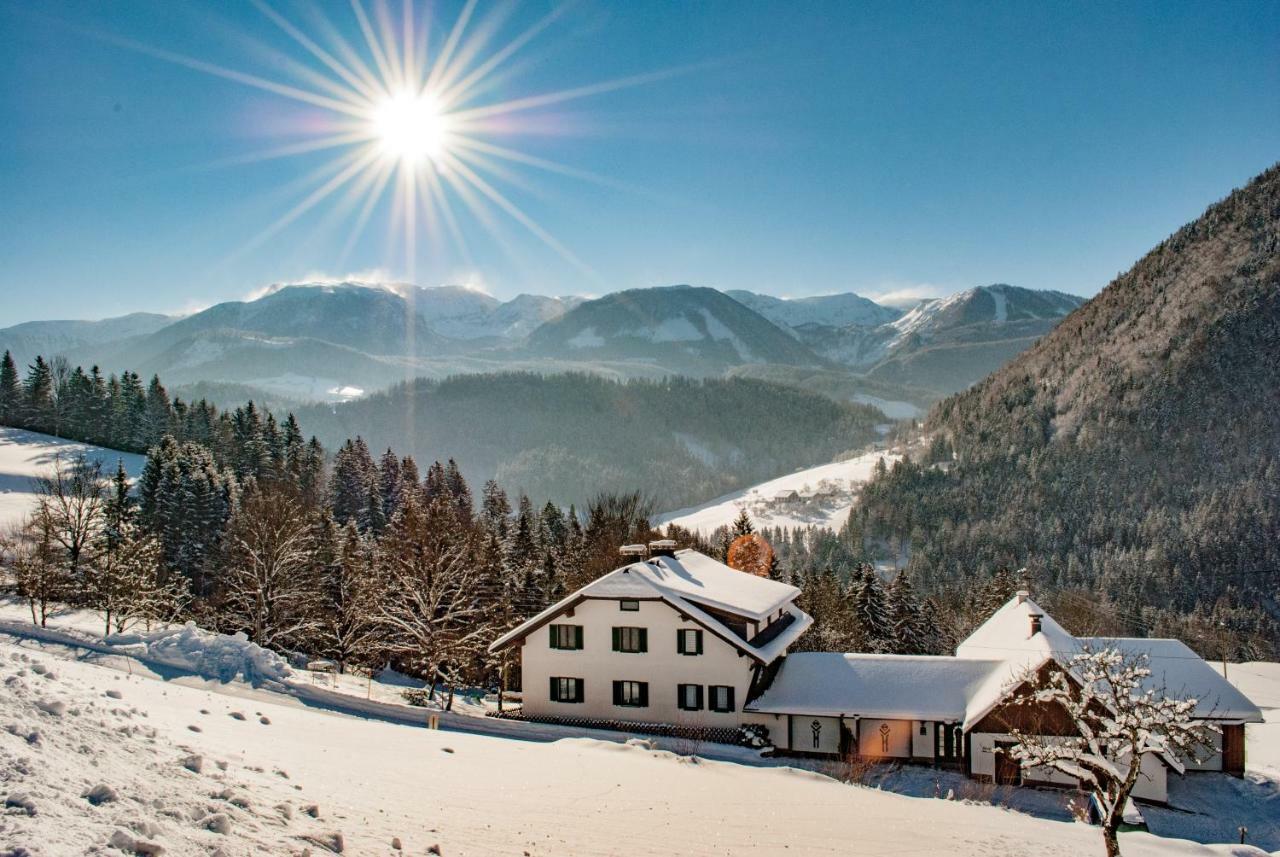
(742, 525)
(908, 635)
(870, 607)
(37, 397)
(459, 491)
(11, 401)
(158, 416)
(495, 510)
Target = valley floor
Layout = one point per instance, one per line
(100, 750)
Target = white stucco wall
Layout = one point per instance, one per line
(1210, 757)
(662, 667)
(1152, 784)
(922, 745)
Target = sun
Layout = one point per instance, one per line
(411, 128)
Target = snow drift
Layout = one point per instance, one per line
(216, 656)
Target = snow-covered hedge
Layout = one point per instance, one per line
(217, 656)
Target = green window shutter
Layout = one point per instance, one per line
(552, 629)
(577, 636)
(699, 635)
(679, 641)
(680, 697)
(729, 690)
(644, 639)
(617, 642)
(644, 694)
(699, 695)
(617, 691)
(555, 689)
(581, 694)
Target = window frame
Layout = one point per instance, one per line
(729, 693)
(681, 702)
(641, 695)
(629, 605)
(557, 689)
(556, 642)
(682, 645)
(621, 633)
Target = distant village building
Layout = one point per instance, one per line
(678, 638)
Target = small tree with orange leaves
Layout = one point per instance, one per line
(752, 554)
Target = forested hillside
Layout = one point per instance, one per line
(565, 437)
(1133, 453)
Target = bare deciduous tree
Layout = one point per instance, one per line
(1119, 717)
(431, 607)
(269, 585)
(71, 499)
(35, 567)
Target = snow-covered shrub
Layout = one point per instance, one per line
(755, 735)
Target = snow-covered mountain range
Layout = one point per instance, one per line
(327, 341)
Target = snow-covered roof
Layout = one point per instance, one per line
(690, 581)
(893, 687)
(997, 655)
(1006, 636)
(1180, 672)
(702, 579)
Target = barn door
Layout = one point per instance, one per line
(1008, 771)
(1233, 749)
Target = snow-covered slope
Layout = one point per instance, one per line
(834, 310)
(684, 328)
(102, 755)
(25, 455)
(816, 496)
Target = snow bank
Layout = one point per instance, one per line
(216, 656)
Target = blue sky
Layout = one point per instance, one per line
(884, 148)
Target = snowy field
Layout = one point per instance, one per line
(101, 753)
(25, 454)
(816, 496)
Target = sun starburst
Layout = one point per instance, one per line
(406, 114)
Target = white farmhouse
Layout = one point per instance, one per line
(681, 640)
(675, 639)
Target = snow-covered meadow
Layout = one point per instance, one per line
(103, 753)
(815, 496)
(25, 455)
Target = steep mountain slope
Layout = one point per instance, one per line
(828, 310)
(1135, 450)
(682, 327)
(25, 341)
(565, 437)
(949, 343)
(373, 320)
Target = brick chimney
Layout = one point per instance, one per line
(1035, 623)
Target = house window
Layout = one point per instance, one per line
(688, 641)
(721, 697)
(566, 636)
(689, 697)
(924, 730)
(631, 640)
(631, 694)
(629, 605)
(566, 689)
